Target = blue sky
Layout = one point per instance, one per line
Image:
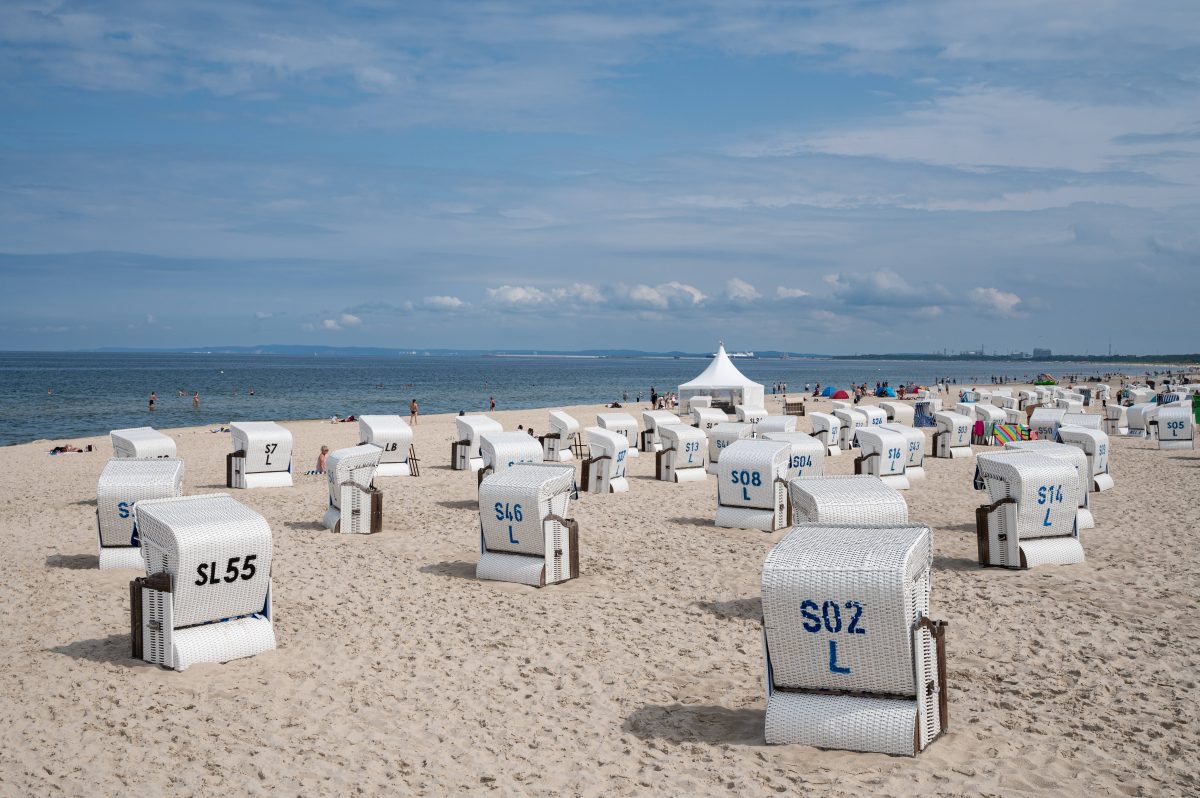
(815, 176)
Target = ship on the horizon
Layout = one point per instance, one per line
(738, 354)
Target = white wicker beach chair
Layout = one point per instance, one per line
(990, 415)
(1003, 398)
(899, 412)
(1150, 420)
(684, 454)
(525, 535)
(1075, 457)
(623, 424)
(852, 421)
(1116, 420)
(750, 415)
(695, 402)
(206, 596)
(839, 405)
(1141, 396)
(395, 438)
(828, 430)
(1102, 391)
(651, 421)
(1094, 445)
(563, 440)
(1045, 421)
(860, 666)
(845, 499)
(503, 450)
(915, 439)
(1025, 398)
(1012, 416)
(1085, 420)
(752, 485)
(142, 443)
(707, 417)
(1174, 428)
(953, 436)
(723, 435)
(123, 482)
(808, 453)
(883, 454)
(261, 456)
(464, 452)
(1136, 417)
(876, 416)
(1031, 520)
(355, 504)
(604, 469)
(775, 424)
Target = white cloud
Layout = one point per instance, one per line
(442, 302)
(584, 292)
(665, 295)
(517, 295)
(740, 291)
(349, 320)
(783, 292)
(995, 302)
(330, 324)
(150, 319)
(262, 314)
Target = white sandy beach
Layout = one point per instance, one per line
(398, 671)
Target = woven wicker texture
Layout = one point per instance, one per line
(122, 557)
(685, 449)
(890, 449)
(1085, 420)
(723, 435)
(808, 454)
(514, 502)
(390, 433)
(1046, 489)
(826, 427)
(621, 423)
(221, 642)
(501, 450)
(187, 536)
(653, 419)
(520, 568)
(776, 424)
(268, 446)
(1092, 442)
(839, 605)
(748, 473)
(125, 481)
(851, 421)
(846, 500)
(914, 446)
(1051, 551)
(899, 412)
(846, 723)
(353, 464)
(1071, 454)
(1045, 422)
(141, 442)
(707, 417)
(750, 415)
(1175, 427)
(875, 415)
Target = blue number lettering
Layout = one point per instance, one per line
(836, 625)
(808, 609)
(833, 663)
(854, 628)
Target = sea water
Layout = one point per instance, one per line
(61, 395)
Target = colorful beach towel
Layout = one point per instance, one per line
(1011, 433)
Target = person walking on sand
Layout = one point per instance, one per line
(196, 400)
(413, 409)
(153, 399)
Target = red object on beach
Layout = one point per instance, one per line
(840, 395)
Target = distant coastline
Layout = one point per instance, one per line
(300, 350)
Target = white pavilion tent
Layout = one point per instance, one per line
(724, 383)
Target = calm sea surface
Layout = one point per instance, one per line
(94, 393)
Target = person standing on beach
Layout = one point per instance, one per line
(196, 400)
(413, 408)
(153, 399)
(491, 403)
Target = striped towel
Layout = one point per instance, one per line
(1011, 433)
